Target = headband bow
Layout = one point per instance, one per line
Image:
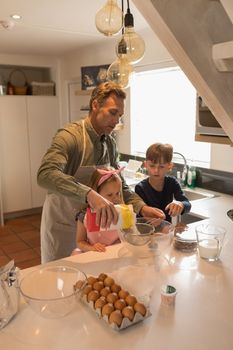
(106, 174)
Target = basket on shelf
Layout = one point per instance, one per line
(18, 90)
(43, 88)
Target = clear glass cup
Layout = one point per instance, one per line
(210, 240)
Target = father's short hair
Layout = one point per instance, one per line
(104, 90)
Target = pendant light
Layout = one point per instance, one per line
(121, 69)
(109, 19)
(135, 45)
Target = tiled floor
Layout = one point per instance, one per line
(20, 240)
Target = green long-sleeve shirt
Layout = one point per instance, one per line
(63, 158)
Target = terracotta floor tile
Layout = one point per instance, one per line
(24, 255)
(29, 263)
(20, 241)
(37, 249)
(3, 260)
(21, 227)
(7, 239)
(14, 247)
(5, 230)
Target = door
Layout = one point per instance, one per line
(14, 154)
(43, 122)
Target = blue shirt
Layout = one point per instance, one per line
(160, 199)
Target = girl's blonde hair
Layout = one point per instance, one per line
(97, 175)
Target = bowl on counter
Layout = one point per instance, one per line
(52, 291)
(148, 237)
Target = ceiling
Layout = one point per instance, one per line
(53, 27)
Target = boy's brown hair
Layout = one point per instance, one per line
(159, 152)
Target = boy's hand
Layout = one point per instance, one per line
(175, 208)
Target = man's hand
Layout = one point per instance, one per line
(147, 211)
(106, 213)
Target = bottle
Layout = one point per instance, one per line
(126, 218)
(191, 178)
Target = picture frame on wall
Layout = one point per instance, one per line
(91, 76)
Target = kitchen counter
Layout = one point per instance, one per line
(201, 319)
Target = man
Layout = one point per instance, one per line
(67, 164)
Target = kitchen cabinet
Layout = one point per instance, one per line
(27, 124)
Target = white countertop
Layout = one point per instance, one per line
(201, 319)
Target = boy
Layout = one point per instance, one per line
(160, 190)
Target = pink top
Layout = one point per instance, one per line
(106, 237)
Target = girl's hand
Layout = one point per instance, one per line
(175, 208)
(98, 247)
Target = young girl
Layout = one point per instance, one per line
(109, 185)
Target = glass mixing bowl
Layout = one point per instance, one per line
(149, 237)
(53, 291)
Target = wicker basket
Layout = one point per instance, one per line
(45, 89)
(19, 90)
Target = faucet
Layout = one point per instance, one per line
(185, 169)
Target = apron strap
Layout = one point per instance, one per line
(84, 143)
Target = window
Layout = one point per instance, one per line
(163, 109)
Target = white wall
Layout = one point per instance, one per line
(105, 54)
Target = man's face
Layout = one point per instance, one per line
(104, 118)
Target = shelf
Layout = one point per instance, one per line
(83, 92)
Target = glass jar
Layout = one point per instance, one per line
(9, 293)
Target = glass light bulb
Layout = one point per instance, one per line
(120, 71)
(135, 45)
(109, 19)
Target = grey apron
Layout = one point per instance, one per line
(58, 225)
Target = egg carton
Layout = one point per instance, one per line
(125, 321)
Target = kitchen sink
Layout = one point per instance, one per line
(194, 195)
(190, 218)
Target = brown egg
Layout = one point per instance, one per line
(131, 300)
(91, 280)
(93, 295)
(128, 312)
(112, 297)
(139, 307)
(78, 285)
(102, 276)
(107, 309)
(105, 291)
(109, 281)
(87, 289)
(120, 304)
(123, 294)
(100, 302)
(115, 317)
(98, 285)
(115, 288)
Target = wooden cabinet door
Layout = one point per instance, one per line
(43, 122)
(14, 154)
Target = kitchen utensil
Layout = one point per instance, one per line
(230, 214)
(146, 239)
(210, 240)
(9, 294)
(50, 291)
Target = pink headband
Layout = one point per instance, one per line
(106, 174)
